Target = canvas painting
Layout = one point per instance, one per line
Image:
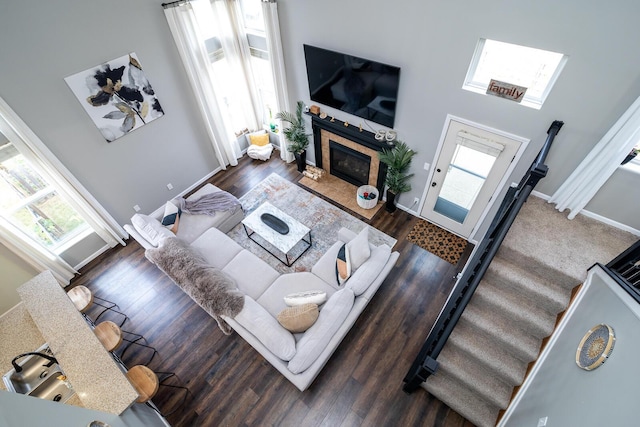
(117, 96)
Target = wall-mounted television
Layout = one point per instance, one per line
(357, 86)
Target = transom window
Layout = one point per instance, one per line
(535, 69)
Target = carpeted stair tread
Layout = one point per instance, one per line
(543, 257)
(502, 305)
(542, 233)
(501, 332)
(463, 401)
(478, 378)
(543, 293)
(468, 338)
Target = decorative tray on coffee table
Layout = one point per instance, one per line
(274, 222)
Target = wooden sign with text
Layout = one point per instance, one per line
(506, 90)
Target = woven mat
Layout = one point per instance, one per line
(439, 242)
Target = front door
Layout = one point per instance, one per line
(471, 167)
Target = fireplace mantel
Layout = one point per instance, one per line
(363, 138)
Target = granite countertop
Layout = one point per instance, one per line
(47, 315)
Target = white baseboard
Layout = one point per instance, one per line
(595, 216)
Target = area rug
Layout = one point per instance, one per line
(340, 192)
(439, 242)
(320, 216)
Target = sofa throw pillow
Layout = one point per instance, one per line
(256, 133)
(305, 297)
(343, 265)
(299, 318)
(259, 140)
(211, 288)
(149, 228)
(359, 250)
(171, 217)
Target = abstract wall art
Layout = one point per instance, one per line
(117, 96)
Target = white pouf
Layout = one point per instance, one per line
(367, 203)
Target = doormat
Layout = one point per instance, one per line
(439, 242)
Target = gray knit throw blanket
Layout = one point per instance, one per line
(209, 204)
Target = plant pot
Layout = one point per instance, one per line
(390, 205)
(301, 160)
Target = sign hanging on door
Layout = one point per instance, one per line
(506, 90)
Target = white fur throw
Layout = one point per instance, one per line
(211, 288)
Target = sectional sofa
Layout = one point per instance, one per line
(253, 293)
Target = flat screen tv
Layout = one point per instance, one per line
(357, 86)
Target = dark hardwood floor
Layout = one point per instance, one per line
(231, 384)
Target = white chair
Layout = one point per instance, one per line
(259, 146)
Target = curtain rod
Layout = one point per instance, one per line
(174, 3)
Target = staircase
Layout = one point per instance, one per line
(529, 282)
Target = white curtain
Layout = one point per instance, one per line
(67, 186)
(228, 15)
(600, 163)
(276, 59)
(184, 28)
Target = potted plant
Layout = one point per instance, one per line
(296, 135)
(398, 159)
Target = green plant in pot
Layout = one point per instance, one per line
(398, 160)
(296, 135)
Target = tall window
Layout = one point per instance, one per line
(236, 43)
(32, 205)
(535, 69)
(261, 68)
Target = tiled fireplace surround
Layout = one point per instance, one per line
(326, 132)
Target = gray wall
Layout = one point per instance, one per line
(432, 41)
(44, 42)
(569, 396)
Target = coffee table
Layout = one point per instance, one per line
(282, 242)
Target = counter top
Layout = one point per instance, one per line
(47, 315)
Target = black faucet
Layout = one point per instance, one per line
(18, 368)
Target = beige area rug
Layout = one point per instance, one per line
(320, 216)
(438, 241)
(340, 192)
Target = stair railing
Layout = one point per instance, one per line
(625, 269)
(425, 364)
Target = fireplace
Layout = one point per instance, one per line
(348, 164)
(348, 152)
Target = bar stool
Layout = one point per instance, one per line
(147, 383)
(111, 337)
(83, 299)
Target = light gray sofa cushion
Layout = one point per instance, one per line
(217, 248)
(253, 275)
(192, 226)
(262, 325)
(364, 276)
(273, 298)
(318, 336)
